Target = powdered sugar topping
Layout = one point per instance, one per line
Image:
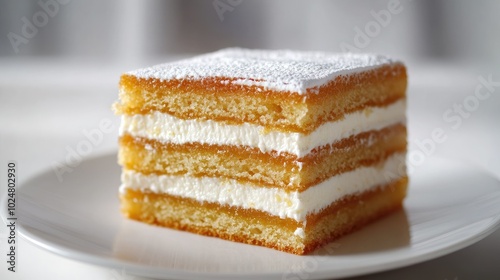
(280, 70)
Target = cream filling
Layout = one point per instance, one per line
(275, 201)
(166, 128)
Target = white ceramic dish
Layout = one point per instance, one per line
(450, 205)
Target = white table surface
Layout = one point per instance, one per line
(45, 105)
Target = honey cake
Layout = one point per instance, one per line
(284, 149)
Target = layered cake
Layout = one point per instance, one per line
(283, 149)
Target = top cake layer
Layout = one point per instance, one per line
(287, 91)
(279, 70)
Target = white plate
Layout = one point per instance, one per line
(450, 205)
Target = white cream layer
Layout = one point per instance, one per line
(166, 128)
(277, 202)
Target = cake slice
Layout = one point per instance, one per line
(282, 149)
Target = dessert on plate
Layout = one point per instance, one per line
(283, 149)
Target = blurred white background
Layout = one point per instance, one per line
(116, 30)
(60, 61)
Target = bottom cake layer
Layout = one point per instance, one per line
(259, 228)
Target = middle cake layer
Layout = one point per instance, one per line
(249, 165)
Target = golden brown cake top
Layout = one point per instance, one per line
(277, 70)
